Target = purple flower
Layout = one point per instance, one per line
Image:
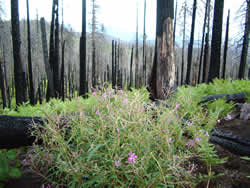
(97, 112)
(46, 154)
(94, 94)
(177, 106)
(170, 140)
(207, 134)
(117, 163)
(169, 122)
(125, 101)
(120, 91)
(132, 157)
(187, 143)
(198, 139)
(117, 130)
(104, 95)
(24, 161)
(165, 130)
(229, 117)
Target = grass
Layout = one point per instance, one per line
(122, 140)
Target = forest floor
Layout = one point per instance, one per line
(235, 169)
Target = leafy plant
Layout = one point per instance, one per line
(8, 165)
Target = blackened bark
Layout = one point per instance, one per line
(202, 42)
(183, 45)
(3, 86)
(31, 82)
(226, 47)
(113, 64)
(48, 68)
(115, 74)
(163, 77)
(136, 51)
(175, 17)
(244, 53)
(52, 48)
(19, 74)
(83, 60)
(63, 74)
(206, 56)
(108, 74)
(214, 70)
(131, 68)
(190, 46)
(144, 45)
(56, 54)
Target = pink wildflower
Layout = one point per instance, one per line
(207, 134)
(24, 161)
(132, 158)
(94, 94)
(117, 130)
(120, 91)
(165, 130)
(198, 139)
(117, 163)
(229, 117)
(104, 95)
(125, 101)
(169, 122)
(170, 140)
(97, 112)
(177, 106)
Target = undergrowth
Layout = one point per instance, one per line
(123, 140)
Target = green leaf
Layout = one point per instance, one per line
(15, 173)
(11, 154)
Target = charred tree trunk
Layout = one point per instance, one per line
(131, 68)
(144, 45)
(202, 42)
(108, 74)
(52, 51)
(190, 46)
(214, 70)
(244, 53)
(83, 60)
(113, 64)
(56, 54)
(48, 69)
(63, 74)
(226, 47)
(136, 51)
(19, 74)
(175, 17)
(163, 73)
(183, 44)
(3, 86)
(31, 83)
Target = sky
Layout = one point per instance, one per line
(119, 16)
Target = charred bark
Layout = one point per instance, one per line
(226, 47)
(163, 73)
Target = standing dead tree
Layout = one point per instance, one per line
(163, 72)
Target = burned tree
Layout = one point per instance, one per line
(83, 77)
(19, 74)
(163, 72)
(226, 47)
(214, 70)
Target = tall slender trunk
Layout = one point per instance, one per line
(244, 53)
(226, 47)
(3, 86)
(144, 45)
(62, 73)
(48, 68)
(202, 42)
(83, 60)
(113, 64)
(56, 54)
(137, 51)
(163, 78)
(175, 17)
(190, 46)
(31, 91)
(183, 44)
(214, 70)
(19, 73)
(131, 68)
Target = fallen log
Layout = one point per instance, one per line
(15, 131)
(236, 97)
(235, 144)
